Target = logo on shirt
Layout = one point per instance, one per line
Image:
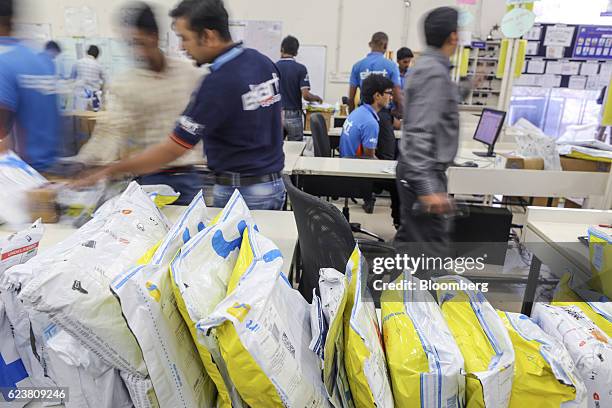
(367, 73)
(347, 126)
(45, 84)
(262, 95)
(189, 126)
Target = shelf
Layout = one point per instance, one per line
(485, 91)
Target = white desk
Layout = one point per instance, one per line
(279, 226)
(335, 166)
(293, 152)
(484, 180)
(336, 132)
(551, 234)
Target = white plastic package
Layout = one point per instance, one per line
(425, 363)
(150, 308)
(16, 178)
(90, 382)
(70, 284)
(587, 344)
(21, 246)
(12, 370)
(263, 329)
(333, 287)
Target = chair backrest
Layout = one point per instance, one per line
(325, 237)
(320, 137)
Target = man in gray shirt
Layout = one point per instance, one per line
(430, 137)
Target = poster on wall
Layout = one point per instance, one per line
(559, 36)
(594, 42)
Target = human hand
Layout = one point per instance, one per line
(437, 203)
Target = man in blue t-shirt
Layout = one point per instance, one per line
(236, 111)
(359, 136)
(29, 108)
(294, 85)
(404, 60)
(376, 63)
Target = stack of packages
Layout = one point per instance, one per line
(132, 312)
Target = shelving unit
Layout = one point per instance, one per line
(484, 61)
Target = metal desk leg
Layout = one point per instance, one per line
(532, 284)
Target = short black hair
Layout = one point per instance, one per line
(53, 46)
(204, 14)
(439, 24)
(380, 39)
(93, 50)
(290, 45)
(140, 15)
(6, 12)
(374, 84)
(404, 53)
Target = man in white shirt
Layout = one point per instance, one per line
(143, 105)
(90, 78)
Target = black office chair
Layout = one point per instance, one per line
(322, 148)
(320, 137)
(326, 239)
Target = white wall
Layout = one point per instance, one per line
(314, 22)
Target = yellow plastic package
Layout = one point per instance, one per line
(595, 306)
(263, 330)
(200, 274)
(600, 255)
(544, 373)
(425, 363)
(364, 357)
(483, 340)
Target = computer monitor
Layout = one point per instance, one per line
(488, 130)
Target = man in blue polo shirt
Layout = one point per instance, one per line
(29, 108)
(294, 85)
(376, 63)
(360, 131)
(236, 111)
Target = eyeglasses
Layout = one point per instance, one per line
(388, 93)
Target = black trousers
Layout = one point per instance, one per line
(420, 233)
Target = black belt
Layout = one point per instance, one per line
(237, 180)
(178, 169)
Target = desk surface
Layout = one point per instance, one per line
(333, 166)
(279, 226)
(559, 229)
(336, 132)
(293, 152)
(85, 114)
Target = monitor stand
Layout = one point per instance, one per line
(488, 153)
(484, 154)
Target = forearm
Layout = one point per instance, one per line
(310, 97)
(4, 129)
(351, 98)
(149, 161)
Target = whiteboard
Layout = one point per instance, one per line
(264, 36)
(314, 57)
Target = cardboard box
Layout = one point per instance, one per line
(328, 119)
(572, 164)
(509, 161)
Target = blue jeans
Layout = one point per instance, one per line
(188, 183)
(263, 196)
(293, 125)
